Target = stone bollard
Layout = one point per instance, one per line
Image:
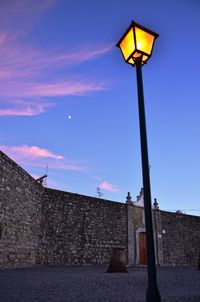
(118, 261)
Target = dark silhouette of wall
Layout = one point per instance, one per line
(40, 225)
(77, 229)
(20, 214)
(180, 238)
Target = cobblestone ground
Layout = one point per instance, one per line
(89, 284)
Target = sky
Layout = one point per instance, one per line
(68, 101)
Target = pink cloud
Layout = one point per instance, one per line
(109, 187)
(28, 110)
(82, 54)
(21, 61)
(31, 152)
(66, 88)
(33, 156)
(36, 90)
(28, 72)
(24, 8)
(64, 165)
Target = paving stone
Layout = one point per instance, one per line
(89, 284)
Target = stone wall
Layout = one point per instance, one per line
(80, 230)
(40, 225)
(20, 214)
(180, 238)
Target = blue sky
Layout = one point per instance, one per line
(58, 60)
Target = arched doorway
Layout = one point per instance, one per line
(142, 248)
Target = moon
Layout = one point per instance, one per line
(69, 117)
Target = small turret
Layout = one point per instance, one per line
(129, 199)
(155, 204)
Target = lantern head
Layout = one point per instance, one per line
(137, 44)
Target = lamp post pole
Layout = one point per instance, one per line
(152, 294)
(136, 46)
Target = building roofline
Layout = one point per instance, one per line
(84, 196)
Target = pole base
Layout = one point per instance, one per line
(152, 294)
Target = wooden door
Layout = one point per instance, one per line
(142, 248)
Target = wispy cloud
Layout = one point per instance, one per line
(30, 152)
(24, 109)
(19, 60)
(64, 165)
(35, 90)
(28, 72)
(23, 12)
(23, 7)
(109, 187)
(34, 156)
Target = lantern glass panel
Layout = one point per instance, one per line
(144, 40)
(127, 45)
(144, 58)
(130, 61)
(137, 54)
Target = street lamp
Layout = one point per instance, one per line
(136, 46)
